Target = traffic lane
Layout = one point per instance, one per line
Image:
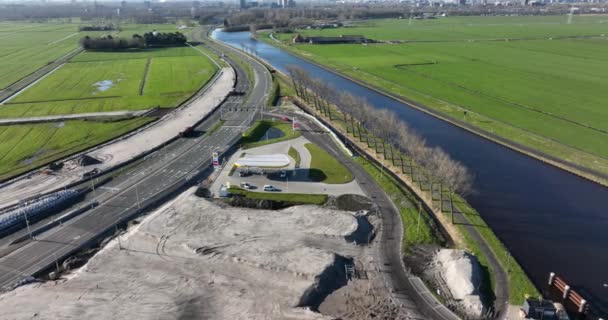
(182, 166)
(56, 243)
(82, 229)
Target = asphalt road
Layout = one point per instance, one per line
(147, 182)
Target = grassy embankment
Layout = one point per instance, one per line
(255, 135)
(509, 88)
(418, 226)
(292, 198)
(23, 147)
(295, 155)
(519, 283)
(325, 168)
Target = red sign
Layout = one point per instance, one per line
(216, 160)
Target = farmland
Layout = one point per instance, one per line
(89, 82)
(544, 87)
(167, 76)
(27, 47)
(23, 147)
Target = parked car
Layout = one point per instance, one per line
(286, 119)
(270, 188)
(246, 185)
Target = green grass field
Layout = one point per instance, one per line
(293, 198)
(27, 47)
(23, 147)
(254, 136)
(172, 75)
(325, 168)
(295, 155)
(547, 94)
(89, 82)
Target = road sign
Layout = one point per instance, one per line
(295, 125)
(216, 160)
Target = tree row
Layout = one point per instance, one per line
(149, 39)
(386, 133)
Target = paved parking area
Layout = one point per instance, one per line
(296, 180)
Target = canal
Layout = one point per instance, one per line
(550, 220)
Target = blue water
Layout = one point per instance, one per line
(551, 220)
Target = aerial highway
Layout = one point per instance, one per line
(144, 183)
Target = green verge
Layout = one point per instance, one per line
(253, 136)
(215, 127)
(292, 198)
(275, 93)
(325, 168)
(285, 89)
(519, 283)
(295, 155)
(416, 231)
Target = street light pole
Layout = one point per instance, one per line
(93, 186)
(27, 224)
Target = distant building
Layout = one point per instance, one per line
(243, 4)
(356, 39)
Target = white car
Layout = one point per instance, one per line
(270, 188)
(246, 185)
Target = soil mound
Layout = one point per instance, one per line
(86, 160)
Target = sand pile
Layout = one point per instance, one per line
(194, 260)
(462, 274)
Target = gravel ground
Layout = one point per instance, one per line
(192, 259)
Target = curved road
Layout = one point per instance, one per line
(411, 293)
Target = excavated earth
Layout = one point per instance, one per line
(192, 259)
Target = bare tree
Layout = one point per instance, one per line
(439, 168)
(433, 165)
(400, 139)
(459, 180)
(347, 103)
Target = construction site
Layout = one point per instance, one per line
(195, 259)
